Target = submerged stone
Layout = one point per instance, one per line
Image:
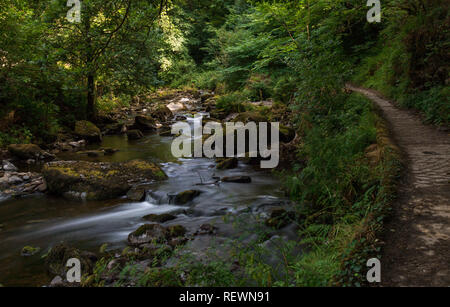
(186, 196)
(237, 179)
(29, 251)
(159, 218)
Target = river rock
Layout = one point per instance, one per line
(83, 180)
(144, 123)
(175, 107)
(92, 153)
(8, 166)
(204, 96)
(149, 233)
(206, 229)
(237, 179)
(186, 196)
(88, 131)
(20, 184)
(155, 234)
(137, 194)
(57, 282)
(116, 128)
(29, 151)
(29, 251)
(56, 259)
(162, 113)
(14, 180)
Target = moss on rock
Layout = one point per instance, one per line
(186, 196)
(29, 251)
(88, 131)
(98, 181)
(148, 233)
(58, 256)
(28, 151)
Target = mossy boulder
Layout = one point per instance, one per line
(186, 196)
(159, 218)
(137, 194)
(29, 151)
(162, 114)
(148, 233)
(56, 259)
(88, 131)
(144, 123)
(81, 180)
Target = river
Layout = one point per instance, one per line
(43, 221)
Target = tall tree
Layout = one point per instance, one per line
(86, 46)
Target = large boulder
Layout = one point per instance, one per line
(155, 233)
(186, 196)
(56, 259)
(162, 114)
(144, 123)
(87, 130)
(149, 233)
(29, 151)
(82, 180)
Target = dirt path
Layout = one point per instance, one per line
(417, 250)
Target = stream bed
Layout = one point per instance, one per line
(43, 220)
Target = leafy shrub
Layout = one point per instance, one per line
(233, 102)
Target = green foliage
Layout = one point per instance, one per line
(16, 136)
(232, 103)
(409, 61)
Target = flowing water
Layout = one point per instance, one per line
(43, 221)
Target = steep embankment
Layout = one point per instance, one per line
(417, 251)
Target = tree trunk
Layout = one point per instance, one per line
(90, 111)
